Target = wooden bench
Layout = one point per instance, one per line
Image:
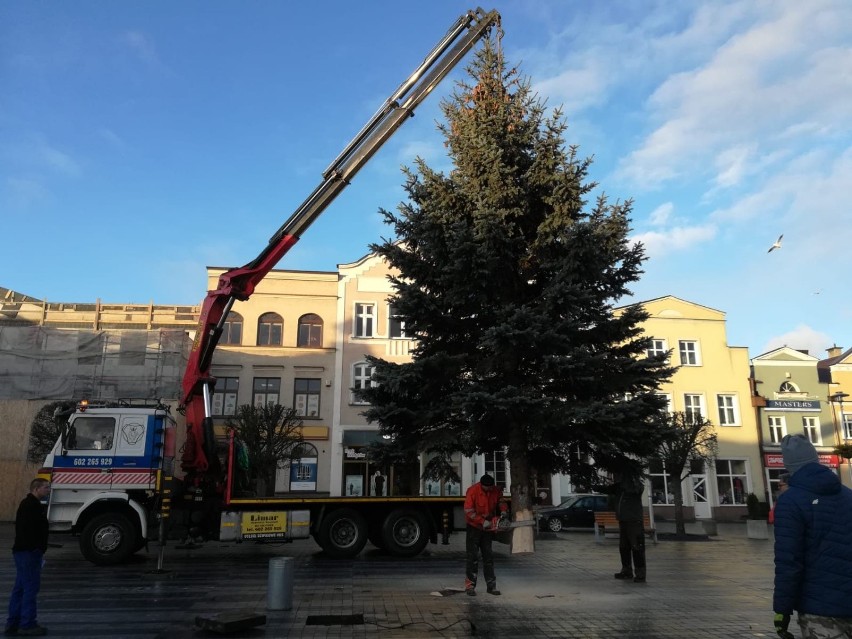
(607, 524)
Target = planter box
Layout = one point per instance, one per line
(757, 529)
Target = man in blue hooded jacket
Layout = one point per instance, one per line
(813, 546)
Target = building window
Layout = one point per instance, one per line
(365, 317)
(266, 390)
(657, 348)
(306, 397)
(728, 410)
(669, 404)
(661, 491)
(303, 468)
(224, 400)
(397, 325)
(310, 331)
(777, 429)
(692, 408)
(810, 427)
(788, 387)
(731, 481)
(495, 465)
(689, 355)
(362, 377)
(232, 329)
(847, 425)
(270, 327)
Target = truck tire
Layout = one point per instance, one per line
(108, 539)
(343, 533)
(404, 533)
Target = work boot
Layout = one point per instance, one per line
(639, 580)
(11, 630)
(32, 631)
(623, 575)
(494, 591)
(470, 592)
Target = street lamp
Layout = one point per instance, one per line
(838, 398)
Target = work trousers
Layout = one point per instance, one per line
(22, 603)
(816, 627)
(631, 545)
(477, 541)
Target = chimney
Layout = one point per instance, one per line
(834, 351)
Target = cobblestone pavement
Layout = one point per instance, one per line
(704, 589)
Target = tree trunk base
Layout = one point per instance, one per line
(523, 538)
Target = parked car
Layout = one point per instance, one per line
(576, 511)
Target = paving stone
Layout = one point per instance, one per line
(715, 589)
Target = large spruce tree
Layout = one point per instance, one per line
(507, 278)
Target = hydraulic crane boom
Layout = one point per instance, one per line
(239, 283)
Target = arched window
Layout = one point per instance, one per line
(270, 326)
(788, 387)
(310, 331)
(232, 330)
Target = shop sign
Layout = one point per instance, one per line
(776, 460)
(794, 405)
(265, 525)
(352, 453)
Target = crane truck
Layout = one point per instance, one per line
(113, 470)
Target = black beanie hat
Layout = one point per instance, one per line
(487, 480)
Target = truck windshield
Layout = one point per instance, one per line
(91, 433)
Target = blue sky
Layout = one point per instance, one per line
(141, 142)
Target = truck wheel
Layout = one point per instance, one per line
(343, 533)
(108, 539)
(404, 533)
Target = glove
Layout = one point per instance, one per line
(782, 622)
(486, 525)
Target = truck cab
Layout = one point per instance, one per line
(105, 470)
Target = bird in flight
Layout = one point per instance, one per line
(777, 244)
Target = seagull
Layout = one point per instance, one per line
(777, 244)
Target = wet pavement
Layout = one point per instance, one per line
(705, 589)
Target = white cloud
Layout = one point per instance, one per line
(803, 337)
(775, 75)
(659, 243)
(660, 215)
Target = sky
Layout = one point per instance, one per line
(142, 142)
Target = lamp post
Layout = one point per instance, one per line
(838, 398)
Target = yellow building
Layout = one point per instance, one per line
(712, 380)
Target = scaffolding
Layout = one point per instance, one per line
(45, 363)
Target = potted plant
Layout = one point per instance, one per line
(757, 526)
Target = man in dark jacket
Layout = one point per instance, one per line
(631, 529)
(813, 546)
(28, 551)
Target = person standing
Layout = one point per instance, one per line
(631, 528)
(813, 547)
(782, 488)
(480, 513)
(28, 550)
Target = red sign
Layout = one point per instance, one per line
(775, 460)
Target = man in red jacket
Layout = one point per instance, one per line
(480, 513)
